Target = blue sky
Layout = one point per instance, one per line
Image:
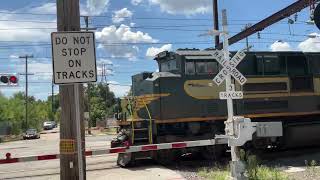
(130, 32)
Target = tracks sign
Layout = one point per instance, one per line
(74, 57)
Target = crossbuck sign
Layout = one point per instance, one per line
(229, 67)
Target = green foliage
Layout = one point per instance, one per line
(255, 171)
(215, 173)
(101, 100)
(259, 172)
(13, 110)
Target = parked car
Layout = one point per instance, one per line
(48, 125)
(54, 124)
(31, 134)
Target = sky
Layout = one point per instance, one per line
(130, 32)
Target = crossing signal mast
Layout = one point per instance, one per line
(8, 80)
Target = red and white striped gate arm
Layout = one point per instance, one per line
(129, 149)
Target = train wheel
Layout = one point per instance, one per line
(125, 159)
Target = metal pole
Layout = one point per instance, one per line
(52, 99)
(26, 87)
(216, 20)
(26, 91)
(78, 126)
(247, 38)
(86, 20)
(235, 151)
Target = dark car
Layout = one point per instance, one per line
(31, 134)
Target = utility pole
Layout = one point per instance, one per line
(72, 162)
(86, 20)
(247, 38)
(26, 88)
(216, 20)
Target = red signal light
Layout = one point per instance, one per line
(13, 79)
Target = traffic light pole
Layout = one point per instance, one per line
(26, 90)
(72, 138)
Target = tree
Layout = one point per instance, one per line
(101, 102)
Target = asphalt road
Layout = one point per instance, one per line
(98, 167)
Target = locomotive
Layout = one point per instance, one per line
(181, 102)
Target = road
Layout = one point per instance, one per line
(98, 167)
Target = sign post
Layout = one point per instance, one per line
(74, 62)
(229, 69)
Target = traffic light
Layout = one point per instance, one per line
(8, 80)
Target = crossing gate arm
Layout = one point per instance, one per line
(129, 149)
(263, 129)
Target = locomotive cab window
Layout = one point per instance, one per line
(189, 68)
(201, 68)
(169, 66)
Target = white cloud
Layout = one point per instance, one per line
(152, 52)
(96, 7)
(24, 31)
(132, 24)
(48, 8)
(136, 2)
(186, 7)
(120, 15)
(17, 28)
(105, 61)
(13, 56)
(311, 44)
(280, 46)
(118, 89)
(121, 41)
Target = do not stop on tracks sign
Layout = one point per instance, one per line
(74, 57)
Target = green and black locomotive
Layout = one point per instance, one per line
(181, 102)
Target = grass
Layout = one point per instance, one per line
(254, 171)
(216, 173)
(262, 173)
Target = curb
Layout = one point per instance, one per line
(49, 132)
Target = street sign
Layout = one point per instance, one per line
(229, 67)
(74, 57)
(231, 95)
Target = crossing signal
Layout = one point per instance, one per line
(8, 80)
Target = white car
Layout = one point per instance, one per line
(48, 125)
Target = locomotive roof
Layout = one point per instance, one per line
(193, 53)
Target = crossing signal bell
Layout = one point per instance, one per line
(8, 80)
